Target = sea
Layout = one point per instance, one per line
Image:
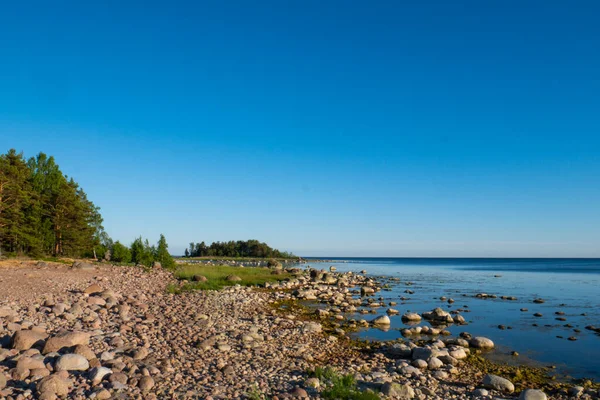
(570, 289)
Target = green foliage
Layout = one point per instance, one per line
(340, 387)
(162, 253)
(240, 248)
(255, 394)
(120, 253)
(142, 252)
(44, 212)
(216, 276)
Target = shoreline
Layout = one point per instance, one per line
(199, 342)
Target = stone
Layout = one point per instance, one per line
(411, 371)
(140, 353)
(146, 383)
(25, 339)
(532, 394)
(458, 354)
(82, 265)
(397, 391)
(30, 363)
(312, 327)
(480, 342)
(6, 311)
(434, 363)
(440, 374)
(103, 394)
(312, 383)
(72, 362)
(299, 392)
(98, 374)
(411, 317)
(421, 364)
(381, 320)
(498, 383)
(66, 339)
(39, 372)
(233, 278)
(85, 351)
(424, 353)
(199, 278)
(480, 393)
(55, 384)
(93, 289)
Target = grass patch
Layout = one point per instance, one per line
(216, 276)
(340, 387)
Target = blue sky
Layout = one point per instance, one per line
(428, 128)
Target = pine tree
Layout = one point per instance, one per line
(15, 198)
(162, 253)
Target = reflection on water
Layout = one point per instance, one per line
(570, 288)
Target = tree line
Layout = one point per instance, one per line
(140, 252)
(240, 248)
(43, 212)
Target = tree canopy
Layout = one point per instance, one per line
(240, 248)
(43, 211)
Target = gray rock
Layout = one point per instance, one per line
(498, 383)
(72, 362)
(434, 363)
(532, 394)
(480, 393)
(397, 391)
(480, 342)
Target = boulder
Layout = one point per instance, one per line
(99, 373)
(72, 362)
(411, 317)
(5, 311)
(498, 383)
(199, 278)
(55, 384)
(434, 363)
(397, 391)
(233, 278)
(30, 363)
(66, 339)
(381, 320)
(532, 394)
(140, 353)
(93, 289)
(146, 383)
(25, 339)
(481, 342)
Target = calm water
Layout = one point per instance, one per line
(568, 285)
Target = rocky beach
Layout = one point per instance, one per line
(98, 331)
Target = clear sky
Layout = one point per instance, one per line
(350, 128)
